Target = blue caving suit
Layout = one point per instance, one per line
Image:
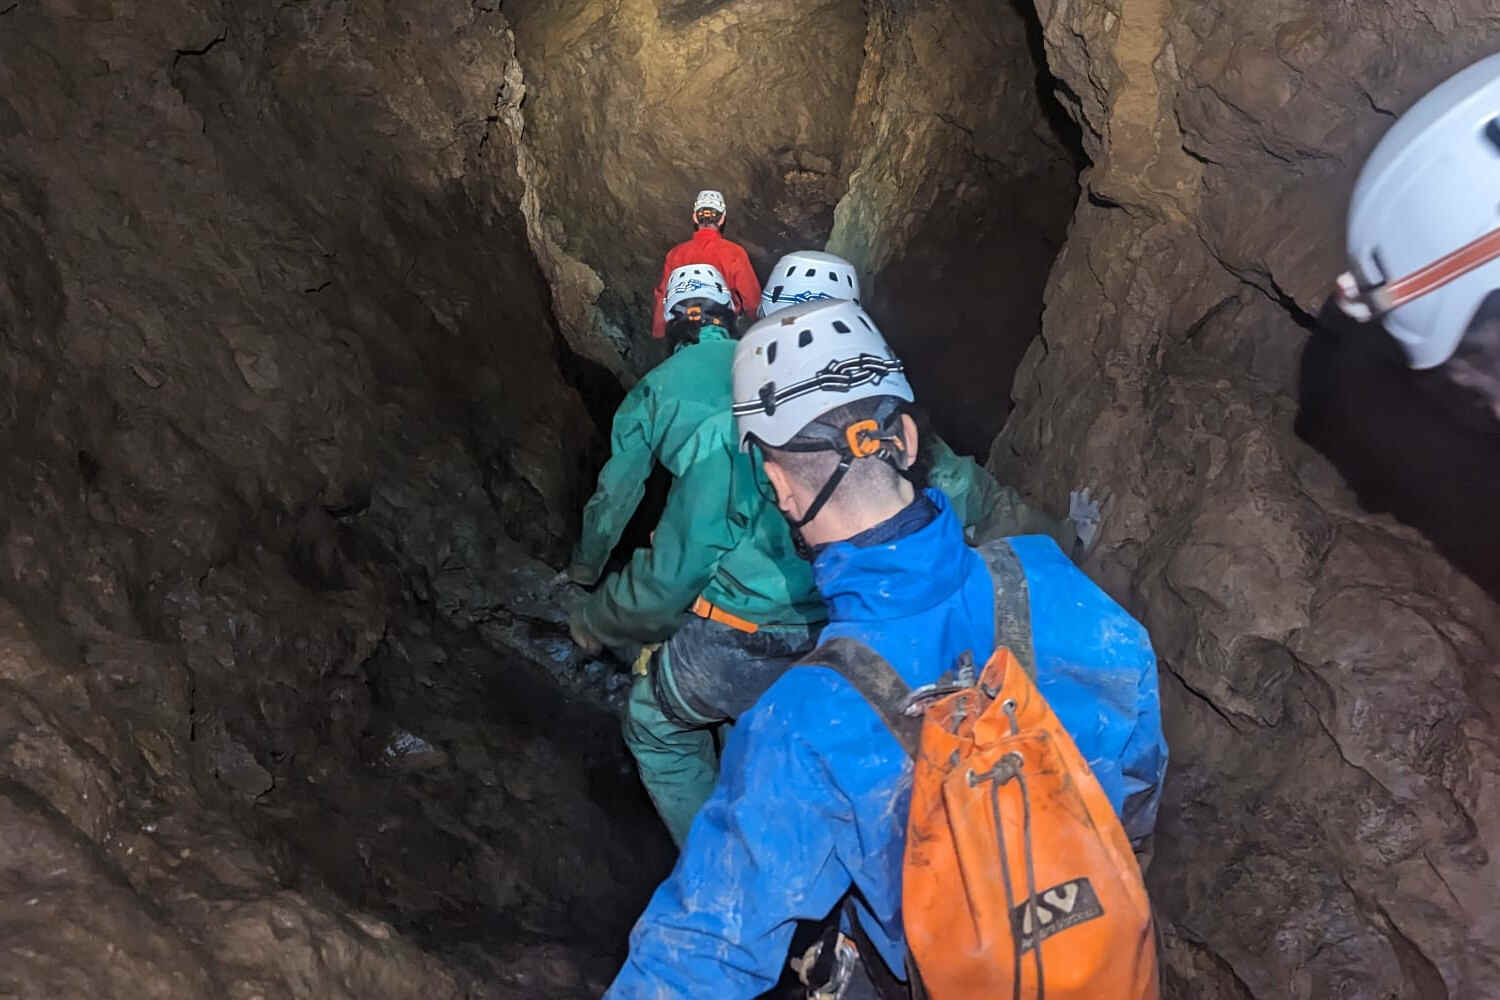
(813, 791)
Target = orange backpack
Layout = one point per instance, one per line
(1018, 880)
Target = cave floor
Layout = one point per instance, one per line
(490, 815)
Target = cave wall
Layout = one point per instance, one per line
(293, 302)
(947, 94)
(305, 310)
(631, 107)
(255, 260)
(910, 138)
(1330, 676)
(960, 190)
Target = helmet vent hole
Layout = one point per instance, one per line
(812, 272)
(866, 324)
(833, 277)
(804, 338)
(776, 293)
(849, 281)
(771, 353)
(791, 270)
(841, 326)
(1492, 132)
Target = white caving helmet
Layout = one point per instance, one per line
(795, 366)
(805, 276)
(710, 199)
(695, 281)
(1424, 221)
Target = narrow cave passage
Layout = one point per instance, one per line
(962, 298)
(312, 320)
(485, 753)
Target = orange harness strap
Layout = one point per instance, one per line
(703, 609)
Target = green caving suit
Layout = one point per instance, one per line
(719, 538)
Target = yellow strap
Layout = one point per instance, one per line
(642, 662)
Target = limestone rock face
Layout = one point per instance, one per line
(1330, 677)
(311, 317)
(253, 257)
(633, 107)
(960, 188)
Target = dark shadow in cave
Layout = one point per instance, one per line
(481, 855)
(520, 841)
(478, 855)
(1065, 129)
(1402, 441)
(964, 300)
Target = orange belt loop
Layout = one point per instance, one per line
(703, 609)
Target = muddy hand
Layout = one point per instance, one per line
(1086, 514)
(583, 639)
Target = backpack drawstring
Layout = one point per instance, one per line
(1010, 896)
(1010, 766)
(1036, 949)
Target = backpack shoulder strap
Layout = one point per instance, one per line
(879, 683)
(1012, 602)
(876, 681)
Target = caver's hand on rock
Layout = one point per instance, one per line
(1086, 514)
(583, 638)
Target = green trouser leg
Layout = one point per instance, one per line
(678, 764)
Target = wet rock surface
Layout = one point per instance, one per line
(633, 107)
(1329, 676)
(309, 317)
(255, 257)
(487, 818)
(117, 882)
(962, 179)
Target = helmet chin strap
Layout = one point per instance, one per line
(816, 507)
(799, 540)
(869, 438)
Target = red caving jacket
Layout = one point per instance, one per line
(709, 247)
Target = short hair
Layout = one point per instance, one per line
(866, 476)
(681, 330)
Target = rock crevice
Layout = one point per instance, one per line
(1327, 671)
(312, 317)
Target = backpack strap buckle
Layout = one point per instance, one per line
(827, 967)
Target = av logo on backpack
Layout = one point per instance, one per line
(1018, 880)
(1055, 909)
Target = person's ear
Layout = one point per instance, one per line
(908, 440)
(786, 496)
